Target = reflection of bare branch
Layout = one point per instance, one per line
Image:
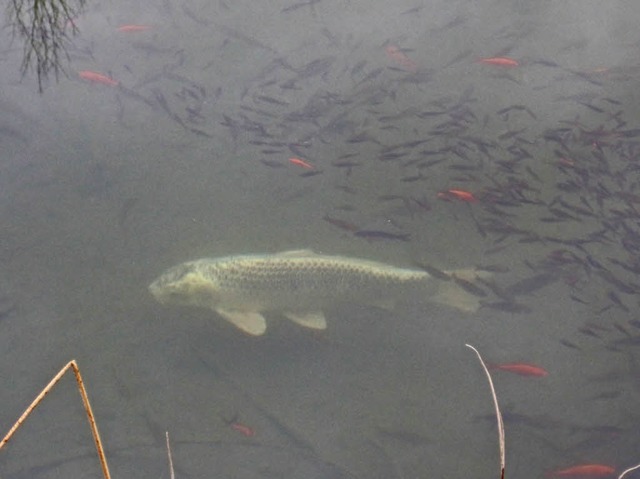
(44, 25)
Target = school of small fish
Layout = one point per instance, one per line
(572, 190)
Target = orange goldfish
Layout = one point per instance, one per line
(523, 369)
(457, 195)
(300, 162)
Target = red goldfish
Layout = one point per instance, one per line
(133, 28)
(500, 61)
(398, 56)
(523, 369)
(243, 429)
(97, 78)
(239, 427)
(585, 470)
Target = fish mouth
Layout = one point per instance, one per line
(155, 290)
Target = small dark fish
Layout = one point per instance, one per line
(267, 143)
(345, 164)
(621, 285)
(469, 287)
(12, 132)
(569, 344)
(199, 132)
(342, 224)
(430, 163)
(630, 133)
(504, 111)
(577, 299)
(621, 328)
(316, 67)
(411, 179)
(422, 203)
(7, 308)
(529, 285)
(546, 63)
(272, 163)
(604, 396)
(383, 235)
(589, 332)
(458, 58)
(296, 6)
(617, 301)
(238, 35)
(272, 100)
(592, 107)
(125, 210)
(413, 10)
(510, 134)
(371, 75)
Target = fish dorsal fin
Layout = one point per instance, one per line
(312, 319)
(250, 322)
(297, 253)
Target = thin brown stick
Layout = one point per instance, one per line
(171, 473)
(498, 414)
(87, 407)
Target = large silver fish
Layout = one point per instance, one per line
(297, 283)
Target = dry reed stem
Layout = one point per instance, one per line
(87, 407)
(498, 414)
(171, 473)
(626, 471)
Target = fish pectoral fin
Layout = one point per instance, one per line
(462, 293)
(469, 274)
(313, 319)
(250, 322)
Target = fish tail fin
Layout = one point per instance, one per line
(461, 293)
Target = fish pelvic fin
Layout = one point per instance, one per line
(251, 322)
(461, 293)
(312, 319)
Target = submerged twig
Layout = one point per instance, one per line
(171, 473)
(626, 471)
(498, 414)
(87, 407)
